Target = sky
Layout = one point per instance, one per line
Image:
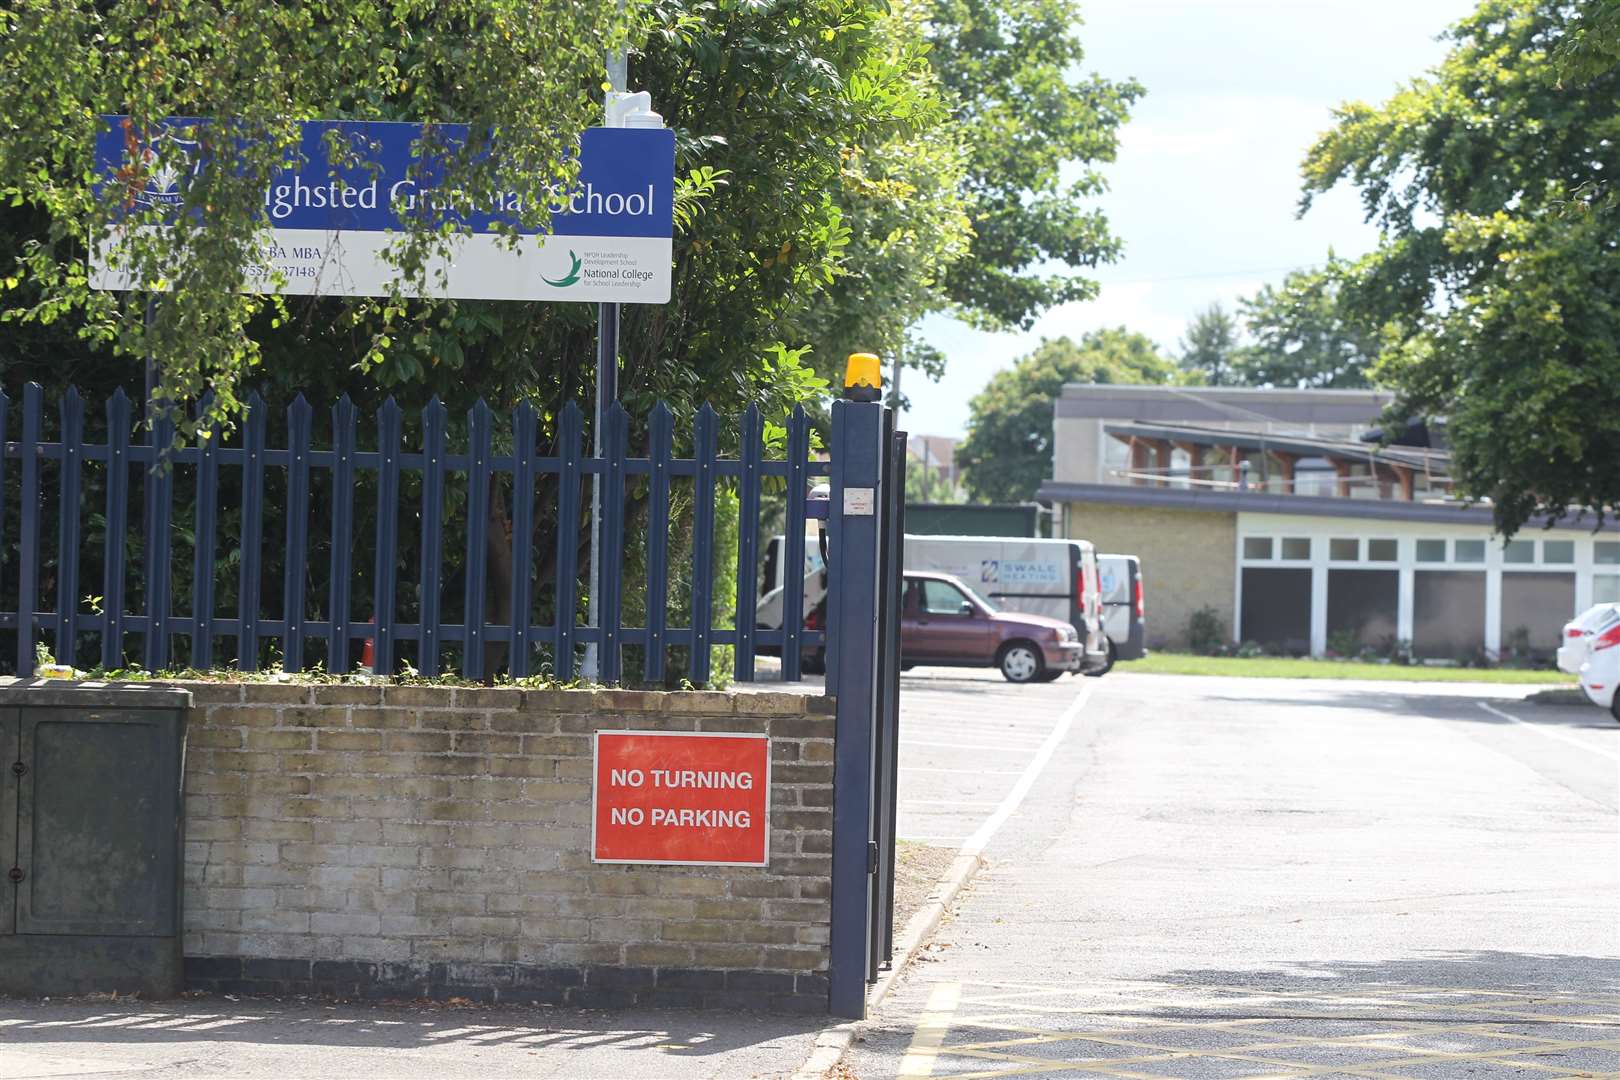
(1206, 187)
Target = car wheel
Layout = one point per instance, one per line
(1614, 708)
(1021, 663)
(1049, 675)
(1108, 665)
(814, 663)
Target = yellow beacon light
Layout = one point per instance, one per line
(863, 377)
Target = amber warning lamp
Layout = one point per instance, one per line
(863, 377)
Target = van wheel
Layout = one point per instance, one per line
(1107, 665)
(1021, 662)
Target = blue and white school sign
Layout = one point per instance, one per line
(609, 241)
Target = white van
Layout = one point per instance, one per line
(774, 576)
(1124, 614)
(1056, 578)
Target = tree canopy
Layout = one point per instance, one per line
(1008, 449)
(1035, 131)
(517, 68)
(1495, 286)
(1301, 336)
(1210, 348)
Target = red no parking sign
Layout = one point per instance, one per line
(681, 797)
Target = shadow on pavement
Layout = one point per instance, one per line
(1483, 971)
(1438, 706)
(216, 1019)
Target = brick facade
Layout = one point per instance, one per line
(1188, 560)
(424, 841)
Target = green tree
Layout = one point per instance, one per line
(1495, 285)
(904, 202)
(1591, 45)
(1210, 346)
(1036, 131)
(1008, 449)
(769, 105)
(1303, 337)
(519, 68)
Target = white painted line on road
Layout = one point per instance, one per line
(963, 746)
(960, 772)
(1542, 729)
(982, 835)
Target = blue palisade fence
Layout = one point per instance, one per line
(124, 503)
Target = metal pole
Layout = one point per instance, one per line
(899, 362)
(607, 392)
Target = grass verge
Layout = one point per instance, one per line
(1282, 667)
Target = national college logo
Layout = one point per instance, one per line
(567, 279)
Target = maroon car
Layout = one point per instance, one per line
(945, 623)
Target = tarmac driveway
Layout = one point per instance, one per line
(1222, 878)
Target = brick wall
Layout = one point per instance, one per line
(1188, 560)
(435, 842)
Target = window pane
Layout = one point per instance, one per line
(1381, 550)
(942, 598)
(1296, 547)
(1558, 551)
(1606, 552)
(1606, 588)
(1434, 550)
(1470, 550)
(1344, 549)
(1257, 547)
(1519, 551)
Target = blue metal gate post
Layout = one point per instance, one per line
(852, 646)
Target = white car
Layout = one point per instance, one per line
(1601, 672)
(1576, 641)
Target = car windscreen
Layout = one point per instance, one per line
(977, 599)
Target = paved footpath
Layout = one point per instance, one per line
(1222, 878)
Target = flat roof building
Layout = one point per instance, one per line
(1270, 509)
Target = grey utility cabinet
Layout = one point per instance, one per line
(90, 837)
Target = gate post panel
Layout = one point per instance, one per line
(852, 648)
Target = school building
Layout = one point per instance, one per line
(1270, 508)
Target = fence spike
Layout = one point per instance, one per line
(5, 412)
(159, 514)
(703, 453)
(434, 419)
(298, 424)
(249, 590)
(477, 564)
(340, 606)
(385, 576)
(568, 501)
(524, 428)
(659, 438)
(748, 481)
(28, 534)
(117, 511)
(798, 453)
(204, 530)
(68, 529)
